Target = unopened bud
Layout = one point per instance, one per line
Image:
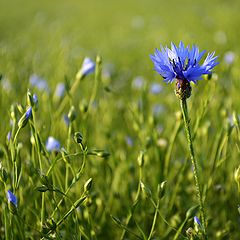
(83, 106)
(146, 191)
(140, 159)
(72, 114)
(88, 185)
(24, 119)
(3, 175)
(161, 189)
(78, 137)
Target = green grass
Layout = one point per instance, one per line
(51, 39)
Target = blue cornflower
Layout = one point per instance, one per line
(52, 145)
(182, 63)
(12, 198)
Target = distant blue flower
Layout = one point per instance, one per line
(196, 220)
(88, 66)
(156, 88)
(138, 82)
(39, 83)
(129, 141)
(157, 109)
(12, 198)
(35, 99)
(9, 135)
(60, 90)
(182, 63)
(229, 57)
(52, 144)
(66, 120)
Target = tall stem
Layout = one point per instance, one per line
(183, 104)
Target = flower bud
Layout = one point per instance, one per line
(88, 185)
(12, 201)
(145, 190)
(140, 159)
(72, 114)
(24, 119)
(78, 137)
(161, 189)
(3, 175)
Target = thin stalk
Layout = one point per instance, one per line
(183, 104)
(154, 220)
(134, 204)
(170, 147)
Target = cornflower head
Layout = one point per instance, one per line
(183, 64)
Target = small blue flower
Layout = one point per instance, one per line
(9, 135)
(129, 141)
(229, 57)
(156, 88)
(35, 99)
(39, 83)
(88, 66)
(196, 220)
(138, 82)
(60, 90)
(157, 109)
(12, 198)
(182, 63)
(66, 120)
(52, 145)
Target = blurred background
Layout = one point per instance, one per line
(133, 109)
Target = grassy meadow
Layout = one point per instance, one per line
(122, 170)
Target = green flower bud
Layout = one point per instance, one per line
(88, 185)
(161, 189)
(83, 106)
(72, 114)
(3, 175)
(140, 159)
(145, 190)
(78, 137)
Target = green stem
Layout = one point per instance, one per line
(134, 204)
(183, 104)
(154, 220)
